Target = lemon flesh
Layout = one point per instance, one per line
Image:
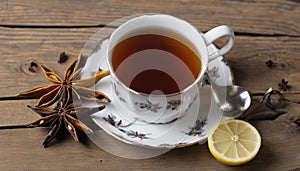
(234, 142)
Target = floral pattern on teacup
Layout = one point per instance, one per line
(149, 106)
(173, 104)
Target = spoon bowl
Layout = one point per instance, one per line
(233, 100)
(237, 101)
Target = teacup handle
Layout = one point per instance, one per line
(216, 33)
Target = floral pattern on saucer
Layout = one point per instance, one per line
(111, 119)
(197, 129)
(192, 128)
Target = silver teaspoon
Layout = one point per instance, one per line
(233, 100)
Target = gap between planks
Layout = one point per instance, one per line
(113, 26)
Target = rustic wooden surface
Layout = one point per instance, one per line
(39, 30)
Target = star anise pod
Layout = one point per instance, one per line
(63, 116)
(49, 94)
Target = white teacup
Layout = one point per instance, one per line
(163, 108)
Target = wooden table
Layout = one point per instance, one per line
(40, 30)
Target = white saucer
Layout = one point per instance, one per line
(190, 129)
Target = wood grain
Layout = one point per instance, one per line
(20, 46)
(38, 31)
(256, 17)
(247, 59)
(21, 149)
(249, 55)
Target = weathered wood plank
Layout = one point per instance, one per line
(19, 46)
(249, 55)
(258, 17)
(21, 149)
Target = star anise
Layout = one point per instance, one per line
(49, 94)
(283, 85)
(63, 116)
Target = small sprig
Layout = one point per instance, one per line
(63, 57)
(283, 85)
(111, 119)
(136, 134)
(197, 129)
(149, 106)
(270, 63)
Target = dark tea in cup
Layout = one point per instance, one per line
(152, 63)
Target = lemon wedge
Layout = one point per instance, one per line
(234, 142)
